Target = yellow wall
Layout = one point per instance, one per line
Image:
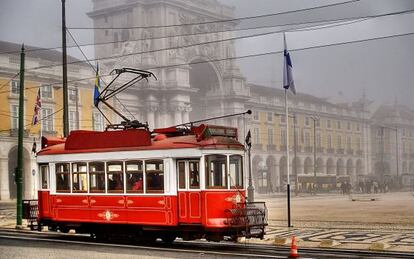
(264, 125)
(31, 89)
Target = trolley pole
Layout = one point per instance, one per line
(19, 171)
(65, 74)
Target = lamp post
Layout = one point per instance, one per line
(250, 188)
(314, 118)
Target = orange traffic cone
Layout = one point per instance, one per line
(293, 249)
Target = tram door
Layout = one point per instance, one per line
(189, 194)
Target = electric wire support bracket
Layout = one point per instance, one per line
(111, 91)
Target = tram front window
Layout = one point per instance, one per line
(236, 172)
(62, 177)
(216, 171)
(44, 176)
(154, 176)
(97, 177)
(79, 178)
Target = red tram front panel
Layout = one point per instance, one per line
(215, 204)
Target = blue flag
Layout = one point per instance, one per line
(97, 88)
(288, 82)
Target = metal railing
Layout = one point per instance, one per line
(30, 212)
(248, 219)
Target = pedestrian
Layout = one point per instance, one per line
(375, 184)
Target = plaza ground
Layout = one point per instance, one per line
(369, 211)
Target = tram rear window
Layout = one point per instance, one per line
(216, 171)
(97, 177)
(62, 177)
(134, 177)
(115, 176)
(154, 174)
(79, 177)
(44, 176)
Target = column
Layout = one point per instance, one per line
(178, 117)
(151, 117)
(4, 179)
(276, 179)
(186, 114)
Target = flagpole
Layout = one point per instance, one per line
(287, 84)
(287, 159)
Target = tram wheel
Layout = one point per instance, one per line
(168, 239)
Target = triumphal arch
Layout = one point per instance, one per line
(181, 42)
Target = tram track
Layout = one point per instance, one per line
(197, 247)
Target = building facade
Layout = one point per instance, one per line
(82, 114)
(393, 145)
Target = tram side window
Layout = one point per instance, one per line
(44, 176)
(194, 175)
(97, 177)
(154, 175)
(79, 177)
(115, 174)
(236, 171)
(134, 177)
(216, 172)
(181, 174)
(62, 177)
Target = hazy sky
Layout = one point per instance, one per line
(381, 68)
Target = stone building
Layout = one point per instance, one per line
(197, 80)
(393, 145)
(342, 134)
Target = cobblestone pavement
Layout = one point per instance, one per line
(357, 236)
(345, 236)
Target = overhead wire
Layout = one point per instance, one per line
(217, 21)
(203, 43)
(93, 68)
(321, 22)
(251, 55)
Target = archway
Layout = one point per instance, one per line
(296, 166)
(12, 167)
(271, 174)
(349, 167)
(319, 165)
(404, 167)
(282, 172)
(382, 168)
(308, 165)
(256, 172)
(330, 167)
(204, 79)
(359, 167)
(340, 168)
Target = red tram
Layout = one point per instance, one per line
(164, 184)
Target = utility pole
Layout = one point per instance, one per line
(295, 150)
(19, 171)
(397, 157)
(65, 74)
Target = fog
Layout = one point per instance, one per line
(380, 68)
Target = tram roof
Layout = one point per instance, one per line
(132, 140)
